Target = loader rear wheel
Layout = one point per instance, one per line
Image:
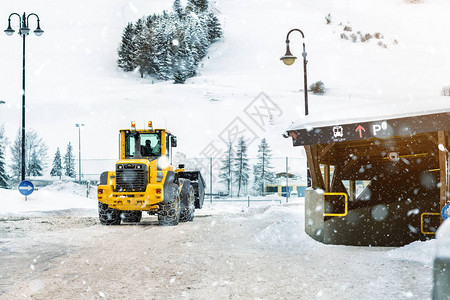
(187, 202)
(169, 210)
(107, 215)
(131, 216)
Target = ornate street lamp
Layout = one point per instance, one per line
(289, 59)
(23, 31)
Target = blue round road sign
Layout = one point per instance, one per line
(26, 187)
(445, 211)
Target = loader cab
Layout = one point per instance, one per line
(146, 144)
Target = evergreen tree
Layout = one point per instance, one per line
(142, 47)
(213, 26)
(178, 9)
(35, 167)
(262, 170)
(171, 45)
(241, 166)
(198, 6)
(57, 165)
(34, 146)
(3, 175)
(226, 171)
(127, 49)
(69, 162)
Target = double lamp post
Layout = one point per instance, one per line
(23, 31)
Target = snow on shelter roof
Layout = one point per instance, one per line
(372, 112)
(380, 120)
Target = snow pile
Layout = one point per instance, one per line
(424, 252)
(443, 240)
(74, 188)
(421, 252)
(287, 228)
(60, 196)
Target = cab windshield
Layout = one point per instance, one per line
(150, 144)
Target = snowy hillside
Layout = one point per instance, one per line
(72, 75)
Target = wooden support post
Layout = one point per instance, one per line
(444, 168)
(327, 177)
(314, 168)
(352, 190)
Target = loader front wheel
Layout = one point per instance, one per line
(187, 202)
(169, 210)
(107, 215)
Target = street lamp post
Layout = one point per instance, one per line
(23, 31)
(289, 59)
(79, 151)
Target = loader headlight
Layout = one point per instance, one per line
(120, 167)
(163, 163)
(159, 176)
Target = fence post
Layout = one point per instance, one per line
(88, 187)
(248, 201)
(287, 181)
(210, 178)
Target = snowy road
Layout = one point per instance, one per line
(232, 253)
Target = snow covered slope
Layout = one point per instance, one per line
(72, 75)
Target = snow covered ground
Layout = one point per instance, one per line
(55, 245)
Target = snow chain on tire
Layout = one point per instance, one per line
(187, 202)
(169, 210)
(108, 216)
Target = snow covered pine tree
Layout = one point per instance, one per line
(3, 175)
(127, 49)
(35, 167)
(69, 162)
(226, 170)
(262, 170)
(57, 165)
(171, 45)
(241, 166)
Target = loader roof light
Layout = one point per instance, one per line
(133, 124)
(150, 125)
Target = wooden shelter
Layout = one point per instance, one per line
(380, 182)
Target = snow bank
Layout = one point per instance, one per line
(424, 252)
(59, 196)
(421, 252)
(443, 240)
(286, 230)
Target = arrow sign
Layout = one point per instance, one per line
(360, 129)
(26, 188)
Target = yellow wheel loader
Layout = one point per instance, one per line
(145, 181)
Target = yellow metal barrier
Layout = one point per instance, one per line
(421, 222)
(336, 214)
